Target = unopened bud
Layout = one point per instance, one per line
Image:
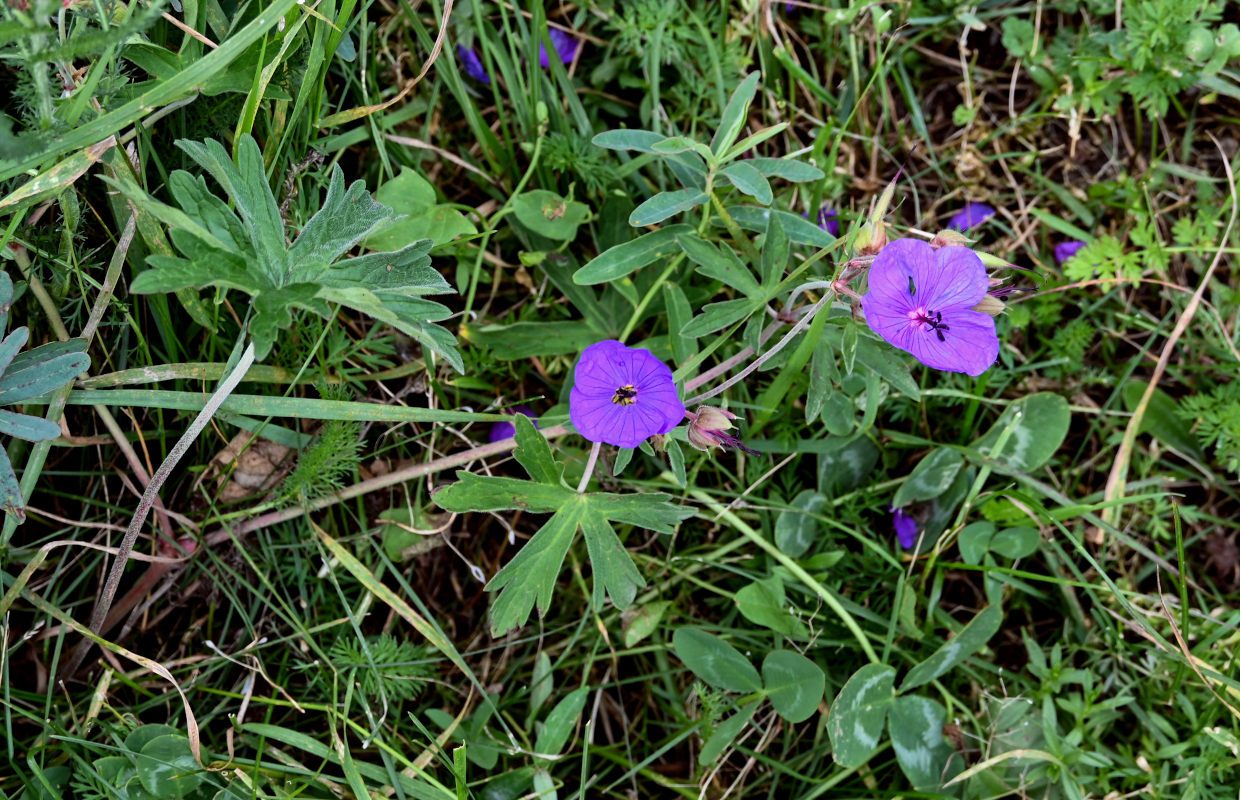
(870, 239)
(708, 429)
(990, 305)
(949, 238)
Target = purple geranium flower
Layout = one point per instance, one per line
(972, 214)
(622, 395)
(828, 220)
(906, 528)
(1066, 250)
(564, 44)
(506, 430)
(921, 300)
(472, 62)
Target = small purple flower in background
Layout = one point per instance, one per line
(708, 429)
(921, 300)
(472, 62)
(971, 215)
(506, 430)
(622, 395)
(1066, 250)
(828, 220)
(906, 528)
(564, 44)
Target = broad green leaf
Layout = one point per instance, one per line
(689, 168)
(413, 197)
(916, 728)
(666, 204)
(735, 114)
(969, 640)
(615, 574)
(717, 316)
(40, 372)
(167, 768)
(717, 663)
(824, 375)
(541, 685)
(477, 493)
(24, 426)
(676, 460)
(560, 723)
(889, 366)
(774, 253)
(521, 340)
(725, 733)
(11, 498)
(762, 603)
(855, 722)
(720, 264)
(548, 214)
(748, 180)
(796, 530)
(534, 454)
(974, 541)
(651, 511)
(675, 145)
(793, 683)
(531, 575)
(1039, 425)
(930, 478)
(844, 469)
(678, 315)
(786, 168)
(752, 141)
(622, 259)
(628, 139)
(799, 229)
(1015, 543)
(1162, 420)
(639, 623)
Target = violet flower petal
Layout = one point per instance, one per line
(564, 44)
(472, 62)
(506, 430)
(601, 371)
(906, 528)
(919, 300)
(1066, 250)
(971, 215)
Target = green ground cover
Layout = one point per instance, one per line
(313, 489)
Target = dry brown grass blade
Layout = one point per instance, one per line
(1118, 478)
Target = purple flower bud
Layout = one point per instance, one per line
(564, 44)
(506, 430)
(1066, 250)
(971, 215)
(472, 63)
(622, 395)
(906, 528)
(708, 429)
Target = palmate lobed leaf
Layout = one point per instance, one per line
(529, 578)
(246, 250)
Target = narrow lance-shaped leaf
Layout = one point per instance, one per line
(622, 259)
(666, 204)
(734, 115)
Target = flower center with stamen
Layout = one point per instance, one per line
(625, 396)
(923, 319)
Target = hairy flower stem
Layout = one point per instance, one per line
(801, 325)
(589, 471)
